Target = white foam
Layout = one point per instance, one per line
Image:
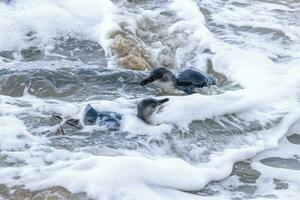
(191, 22)
(15, 138)
(49, 19)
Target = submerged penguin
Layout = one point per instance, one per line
(112, 120)
(187, 81)
(147, 107)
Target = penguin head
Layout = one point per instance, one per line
(160, 74)
(147, 107)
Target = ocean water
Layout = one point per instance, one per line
(238, 140)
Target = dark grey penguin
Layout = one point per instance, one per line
(186, 81)
(147, 107)
(112, 120)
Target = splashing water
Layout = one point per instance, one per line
(59, 56)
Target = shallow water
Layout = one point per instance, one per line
(234, 141)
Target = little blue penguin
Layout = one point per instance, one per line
(147, 107)
(112, 120)
(186, 81)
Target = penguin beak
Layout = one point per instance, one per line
(162, 101)
(148, 80)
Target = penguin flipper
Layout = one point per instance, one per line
(72, 122)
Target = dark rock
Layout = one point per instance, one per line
(287, 163)
(245, 173)
(295, 138)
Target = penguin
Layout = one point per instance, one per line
(186, 82)
(112, 120)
